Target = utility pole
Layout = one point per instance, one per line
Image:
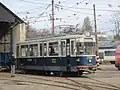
(95, 25)
(52, 16)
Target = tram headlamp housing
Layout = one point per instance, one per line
(90, 61)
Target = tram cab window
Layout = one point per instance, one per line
(89, 48)
(63, 48)
(33, 50)
(53, 49)
(24, 50)
(80, 49)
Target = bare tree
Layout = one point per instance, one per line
(33, 32)
(116, 23)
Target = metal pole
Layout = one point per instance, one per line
(52, 16)
(95, 25)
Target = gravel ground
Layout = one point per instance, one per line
(107, 78)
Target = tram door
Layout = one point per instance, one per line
(68, 54)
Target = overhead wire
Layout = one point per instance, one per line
(30, 10)
(33, 2)
(68, 9)
(74, 10)
(40, 13)
(88, 8)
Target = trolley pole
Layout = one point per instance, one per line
(52, 16)
(95, 25)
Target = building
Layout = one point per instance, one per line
(13, 30)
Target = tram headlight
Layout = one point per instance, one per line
(90, 61)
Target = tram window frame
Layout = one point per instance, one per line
(63, 47)
(53, 48)
(26, 50)
(34, 48)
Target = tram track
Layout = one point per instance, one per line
(91, 85)
(104, 83)
(87, 85)
(83, 84)
(68, 84)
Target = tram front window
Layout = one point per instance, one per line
(80, 49)
(89, 48)
(85, 48)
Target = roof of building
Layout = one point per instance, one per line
(6, 15)
(108, 43)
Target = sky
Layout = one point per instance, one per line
(72, 12)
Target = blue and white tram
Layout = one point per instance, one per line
(66, 53)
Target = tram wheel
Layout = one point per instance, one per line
(61, 74)
(80, 73)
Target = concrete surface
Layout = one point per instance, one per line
(107, 78)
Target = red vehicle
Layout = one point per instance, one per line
(117, 58)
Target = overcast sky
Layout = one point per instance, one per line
(68, 12)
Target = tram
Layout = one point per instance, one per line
(57, 53)
(107, 55)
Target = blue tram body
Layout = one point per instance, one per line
(57, 64)
(71, 53)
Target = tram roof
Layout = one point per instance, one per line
(54, 37)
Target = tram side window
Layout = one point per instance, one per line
(45, 49)
(110, 53)
(53, 49)
(17, 50)
(24, 50)
(73, 48)
(33, 50)
(41, 50)
(63, 49)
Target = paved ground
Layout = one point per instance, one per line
(108, 78)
